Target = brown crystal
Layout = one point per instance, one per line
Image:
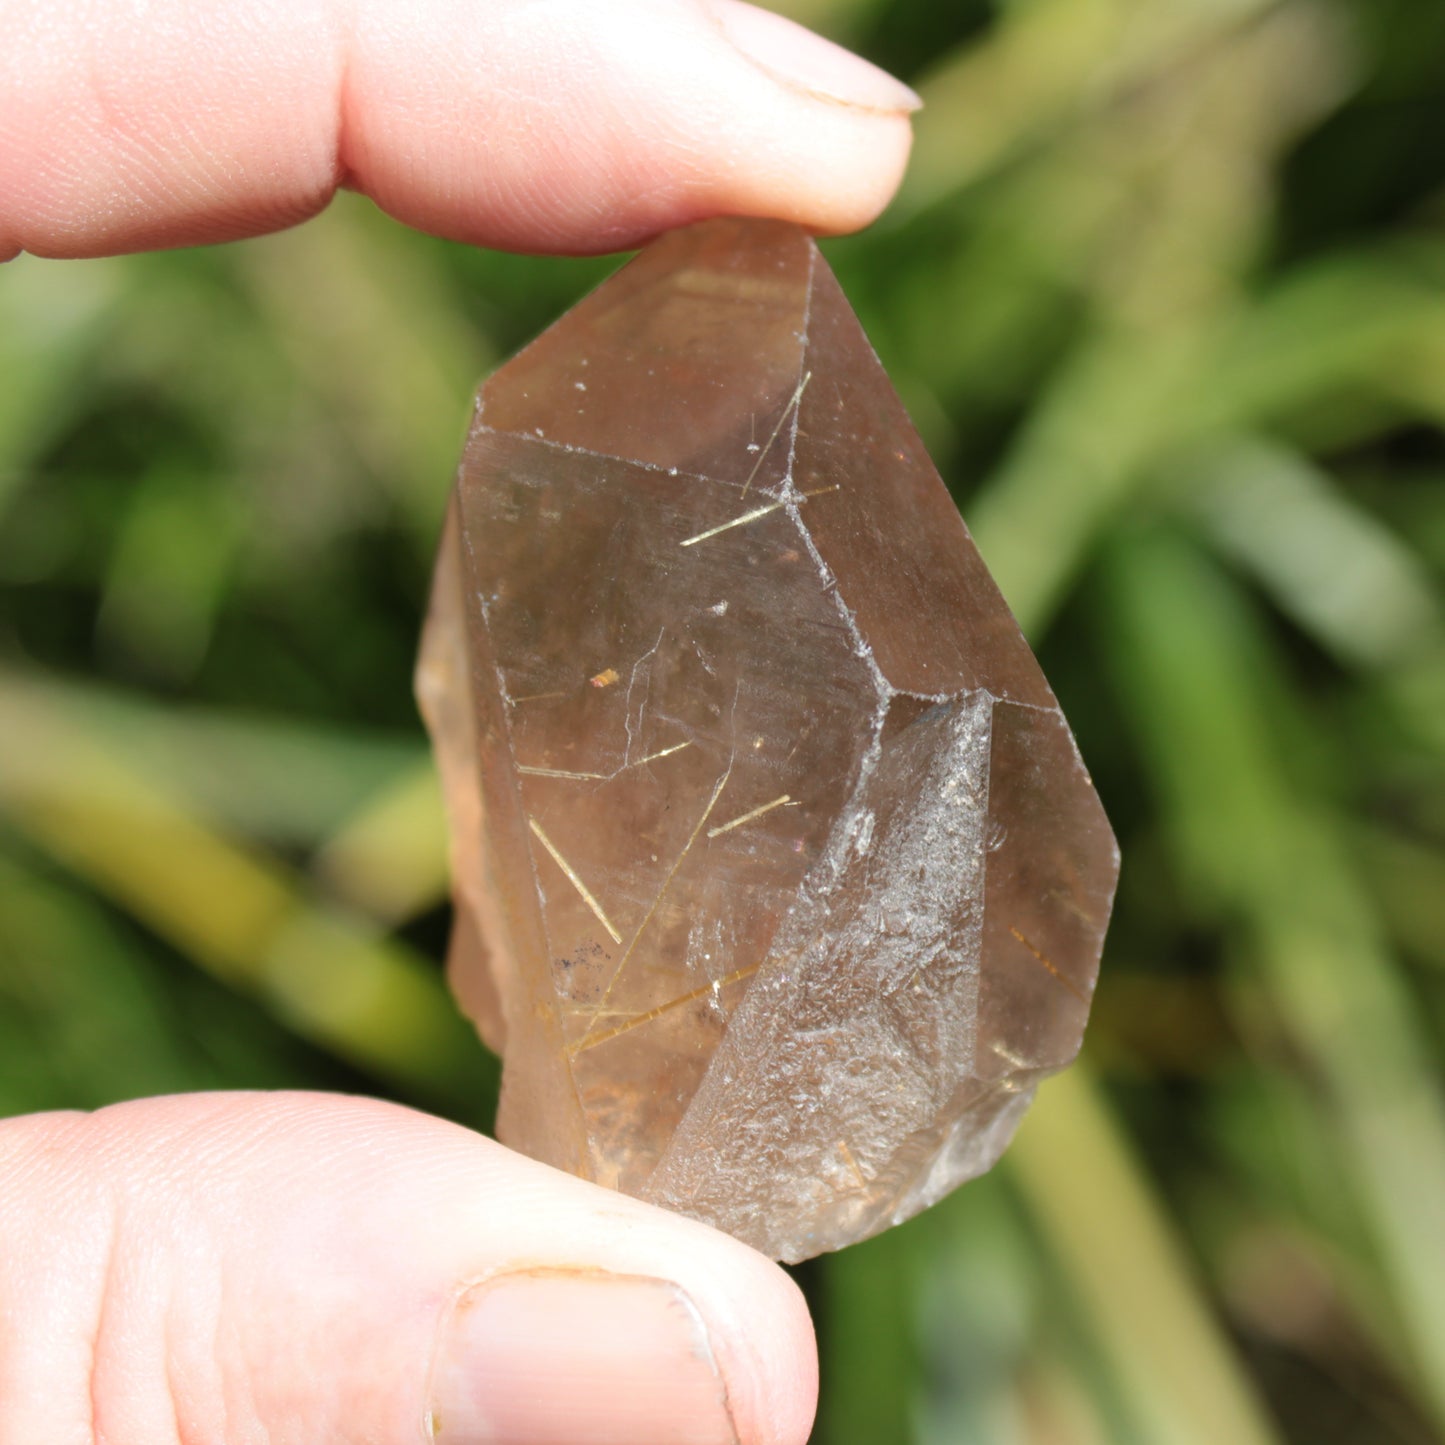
(779, 882)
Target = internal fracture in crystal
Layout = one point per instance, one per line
(779, 882)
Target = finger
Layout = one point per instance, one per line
(299, 1268)
(565, 126)
(325, 1269)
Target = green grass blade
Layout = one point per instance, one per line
(328, 974)
(1270, 855)
(1181, 1380)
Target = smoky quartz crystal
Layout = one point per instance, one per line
(779, 881)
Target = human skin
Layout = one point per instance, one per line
(545, 125)
(302, 1268)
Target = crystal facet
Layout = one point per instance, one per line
(779, 881)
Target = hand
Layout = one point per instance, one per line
(300, 1268)
(555, 125)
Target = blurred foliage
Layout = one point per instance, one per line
(1165, 292)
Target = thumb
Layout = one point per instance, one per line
(565, 126)
(303, 1268)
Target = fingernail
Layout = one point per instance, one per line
(552, 1357)
(806, 61)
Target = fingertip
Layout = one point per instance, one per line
(590, 1356)
(808, 62)
(494, 1216)
(775, 1365)
(579, 128)
(833, 187)
(756, 1320)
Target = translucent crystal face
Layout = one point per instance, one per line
(779, 881)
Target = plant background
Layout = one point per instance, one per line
(1165, 292)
